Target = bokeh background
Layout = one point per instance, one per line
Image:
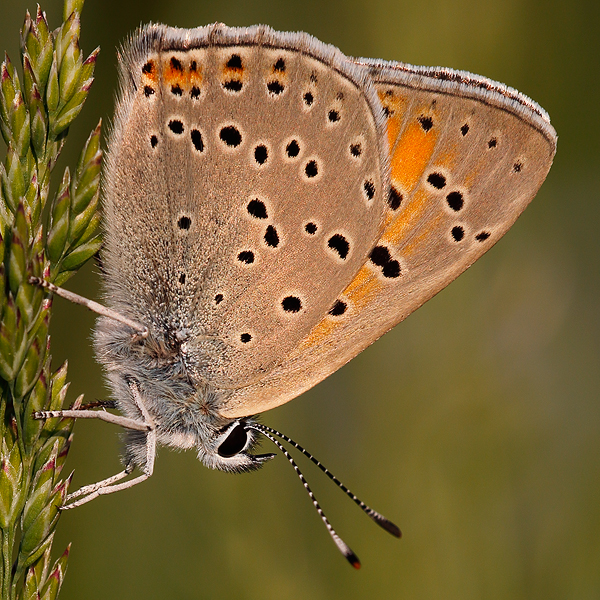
(475, 424)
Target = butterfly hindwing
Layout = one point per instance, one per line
(467, 156)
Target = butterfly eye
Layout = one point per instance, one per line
(234, 443)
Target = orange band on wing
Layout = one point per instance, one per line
(417, 241)
(149, 72)
(172, 75)
(395, 107)
(359, 292)
(195, 75)
(412, 154)
(320, 332)
(405, 223)
(362, 288)
(184, 73)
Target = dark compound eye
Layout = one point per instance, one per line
(234, 443)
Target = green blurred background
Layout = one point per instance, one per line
(475, 424)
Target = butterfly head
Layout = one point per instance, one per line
(230, 448)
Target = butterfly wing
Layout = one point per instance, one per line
(467, 156)
(245, 168)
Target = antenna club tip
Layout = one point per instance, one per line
(353, 560)
(396, 532)
(388, 526)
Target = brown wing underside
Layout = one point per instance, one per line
(465, 162)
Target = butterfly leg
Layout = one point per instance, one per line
(86, 490)
(101, 488)
(99, 309)
(94, 414)
(110, 485)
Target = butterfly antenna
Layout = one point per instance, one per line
(377, 517)
(339, 542)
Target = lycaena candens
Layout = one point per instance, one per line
(271, 208)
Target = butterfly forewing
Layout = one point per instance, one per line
(467, 156)
(259, 185)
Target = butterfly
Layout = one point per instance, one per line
(271, 208)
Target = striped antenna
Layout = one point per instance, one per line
(377, 517)
(339, 542)
(373, 514)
